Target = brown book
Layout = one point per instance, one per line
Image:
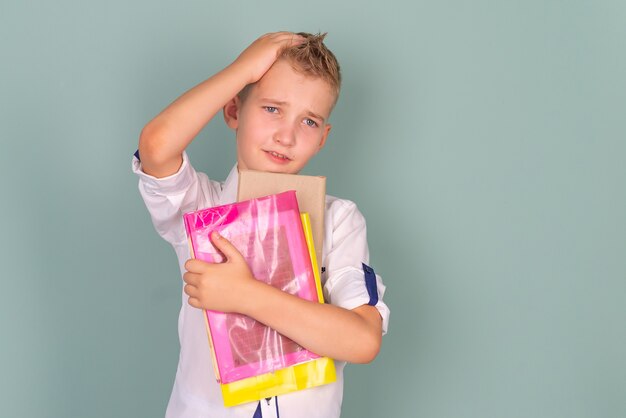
(310, 192)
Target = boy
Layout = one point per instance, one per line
(277, 97)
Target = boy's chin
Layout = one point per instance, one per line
(270, 168)
(279, 170)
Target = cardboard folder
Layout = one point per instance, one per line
(310, 192)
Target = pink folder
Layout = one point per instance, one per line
(268, 233)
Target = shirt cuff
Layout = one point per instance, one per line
(165, 185)
(346, 288)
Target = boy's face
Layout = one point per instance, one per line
(283, 121)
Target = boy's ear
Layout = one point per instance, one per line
(327, 129)
(231, 112)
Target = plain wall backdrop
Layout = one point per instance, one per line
(484, 141)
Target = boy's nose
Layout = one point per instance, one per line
(285, 136)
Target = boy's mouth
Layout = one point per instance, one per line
(278, 156)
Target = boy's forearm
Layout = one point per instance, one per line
(328, 330)
(165, 137)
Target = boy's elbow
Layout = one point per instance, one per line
(371, 335)
(369, 349)
(150, 144)
(157, 158)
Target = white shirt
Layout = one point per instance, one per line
(196, 393)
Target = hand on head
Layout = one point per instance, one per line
(262, 53)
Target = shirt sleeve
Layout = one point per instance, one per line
(345, 275)
(167, 198)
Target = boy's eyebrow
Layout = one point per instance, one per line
(315, 115)
(281, 103)
(273, 101)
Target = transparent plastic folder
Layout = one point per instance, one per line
(268, 232)
(298, 377)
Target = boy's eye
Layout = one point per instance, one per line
(310, 122)
(270, 109)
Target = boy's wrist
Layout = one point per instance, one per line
(238, 69)
(256, 297)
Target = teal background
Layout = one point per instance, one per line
(484, 141)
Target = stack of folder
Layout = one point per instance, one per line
(253, 361)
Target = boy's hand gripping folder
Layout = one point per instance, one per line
(253, 361)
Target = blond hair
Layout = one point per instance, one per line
(311, 58)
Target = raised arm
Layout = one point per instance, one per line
(164, 138)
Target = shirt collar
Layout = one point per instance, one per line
(229, 187)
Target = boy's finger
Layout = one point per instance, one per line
(281, 35)
(196, 266)
(194, 302)
(293, 38)
(290, 38)
(190, 290)
(191, 278)
(225, 246)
